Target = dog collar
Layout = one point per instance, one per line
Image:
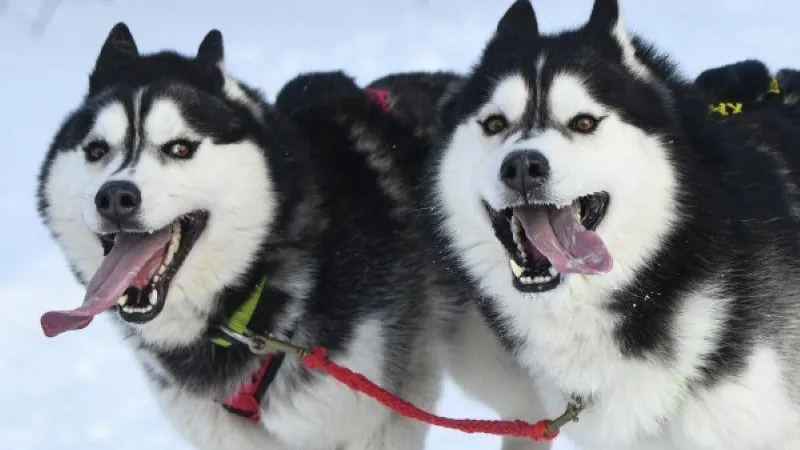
(246, 401)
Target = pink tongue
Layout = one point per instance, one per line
(133, 260)
(562, 239)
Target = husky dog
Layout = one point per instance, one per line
(412, 98)
(634, 252)
(202, 218)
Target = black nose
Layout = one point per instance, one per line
(524, 170)
(118, 201)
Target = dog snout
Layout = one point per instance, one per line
(524, 170)
(118, 201)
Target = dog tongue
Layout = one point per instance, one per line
(560, 236)
(133, 260)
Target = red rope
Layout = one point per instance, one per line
(318, 359)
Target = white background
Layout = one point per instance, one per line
(82, 390)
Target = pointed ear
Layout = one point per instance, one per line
(119, 48)
(520, 16)
(605, 15)
(211, 51)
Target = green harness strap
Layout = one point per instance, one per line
(240, 318)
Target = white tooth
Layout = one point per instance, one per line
(129, 309)
(553, 271)
(516, 268)
(161, 270)
(122, 300)
(153, 297)
(517, 233)
(168, 259)
(526, 280)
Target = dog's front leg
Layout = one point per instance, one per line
(208, 426)
(483, 369)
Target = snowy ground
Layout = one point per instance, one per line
(82, 390)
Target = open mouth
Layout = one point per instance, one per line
(545, 241)
(134, 277)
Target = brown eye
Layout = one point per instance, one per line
(95, 150)
(494, 124)
(583, 123)
(180, 149)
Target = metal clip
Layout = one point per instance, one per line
(574, 408)
(262, 344)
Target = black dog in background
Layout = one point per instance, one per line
(750, 85)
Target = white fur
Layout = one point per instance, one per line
(569, 345)
(620, 33)
(231, 181)
(476, 361)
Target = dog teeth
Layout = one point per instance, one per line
(553, 271)
(153, 297)
(536, 280)
(137, 309)
(174, 243)
(122, 300)
(518, 234)
(516, 268)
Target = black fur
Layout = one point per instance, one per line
(414, 98)
(733, 202)
(745, 81)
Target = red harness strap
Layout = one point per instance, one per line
(246, 402)
(379, 96)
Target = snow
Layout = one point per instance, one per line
(83, 390)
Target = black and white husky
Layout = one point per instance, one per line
(197, 215)
(635, 253)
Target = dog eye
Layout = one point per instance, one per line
(96, 150)
(494, 124)
(584, 123)
(180, 149)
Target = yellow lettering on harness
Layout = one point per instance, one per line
(719, 108)
(735, 108)
(725, 108)
(773, 87)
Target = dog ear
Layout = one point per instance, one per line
(519, 17)
(605, 16)
(211, 51)
(118, 49)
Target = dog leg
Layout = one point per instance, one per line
(484, 370)
(422, 389)
(208, 426)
